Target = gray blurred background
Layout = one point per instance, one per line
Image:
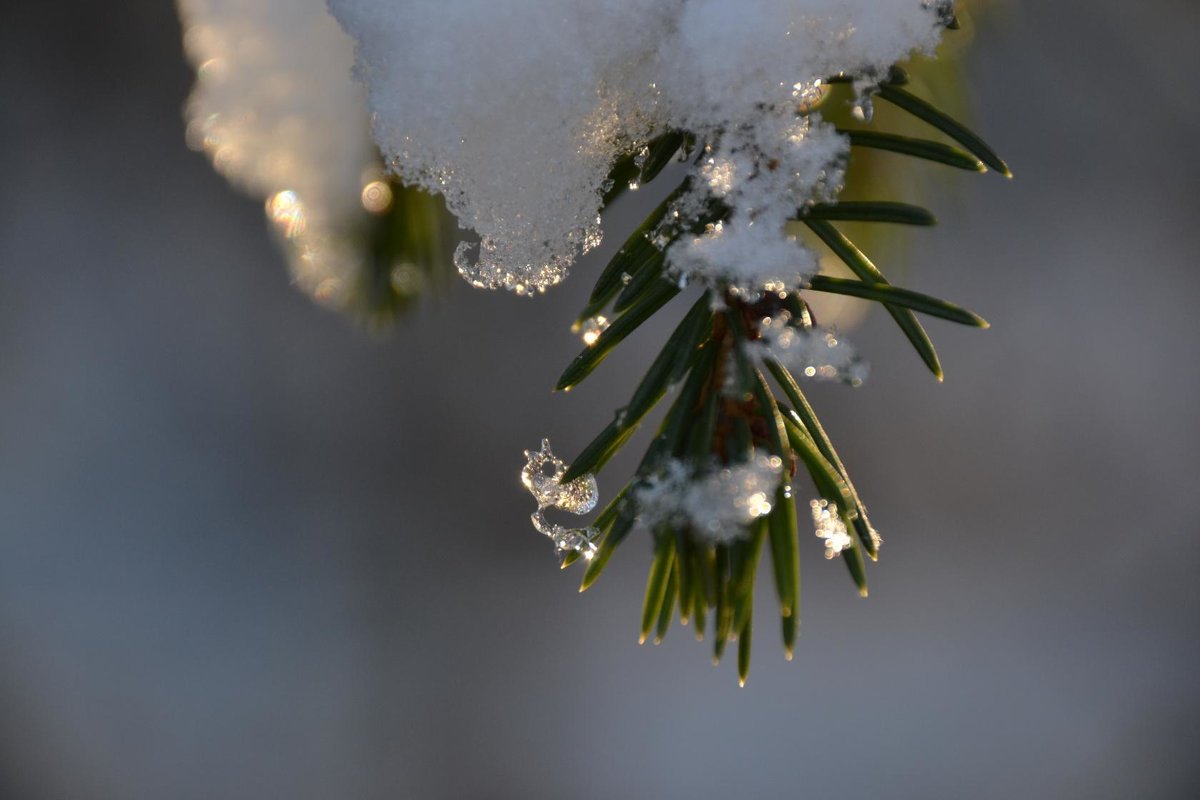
(248, 551)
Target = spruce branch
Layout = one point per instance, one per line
(738, 413)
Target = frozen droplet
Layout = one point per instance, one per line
(579, 496)
(578, 540)
(566, 539)
(592, 328)
(863, 109)
(542, 476)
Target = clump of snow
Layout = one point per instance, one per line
(513, 111)
(277, 110)
(813, 352)
(763, 174)
(716, 505)
(830, 528)
(542, 476)
(516, 111)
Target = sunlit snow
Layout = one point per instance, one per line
(516, 111)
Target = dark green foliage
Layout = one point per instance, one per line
(918, 148)
(895, 296)
(869, 211)
(861, 266)
(946, 124)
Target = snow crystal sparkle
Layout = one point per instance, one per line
(807, 350)
(592, 328)
(830, 527)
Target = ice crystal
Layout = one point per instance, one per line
(277, 111)
(592, 328)
(542, 476)
(830, 527)
(809, 351)
(516, 111)
(717, 504)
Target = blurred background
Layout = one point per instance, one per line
(249, 551)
